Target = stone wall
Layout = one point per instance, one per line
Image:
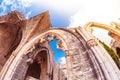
(116, 47)
(86, 59)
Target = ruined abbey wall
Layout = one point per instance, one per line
(26, 54)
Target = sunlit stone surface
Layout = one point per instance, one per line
(25, 53)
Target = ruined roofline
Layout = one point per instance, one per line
(15, 16)
(45, 13)
(20, 14)
(22, 45)
(15, 12)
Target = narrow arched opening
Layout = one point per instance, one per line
(57, 47)
(38, 69)
(59, 55)
(34, 70)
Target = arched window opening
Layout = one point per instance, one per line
(38, 69)
(34, 70)
(59, 55)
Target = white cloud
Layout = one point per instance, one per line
(66, 7)
(83, 11)
(96, 10)
(72, 6)
(62, 60)
(10, 5)
(102, 35)
(79, 11)
(25, 3)
(28, 14)
(102, 11)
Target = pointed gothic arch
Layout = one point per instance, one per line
(113, 28)
(85, 57)
(76, 50)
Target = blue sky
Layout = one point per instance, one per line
(68, 13)
(58, 54)
(57, 20)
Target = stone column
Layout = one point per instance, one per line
(69, 68)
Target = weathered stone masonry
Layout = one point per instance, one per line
(25, 53)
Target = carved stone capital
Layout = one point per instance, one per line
(92, 43)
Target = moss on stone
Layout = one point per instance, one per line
(111, 53)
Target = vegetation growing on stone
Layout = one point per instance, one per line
(111, 53)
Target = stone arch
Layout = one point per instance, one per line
(38, 69)
(111, 28)
(81, 60)
(27, 49)
(33, 65)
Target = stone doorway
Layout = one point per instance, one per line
(38, 69)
